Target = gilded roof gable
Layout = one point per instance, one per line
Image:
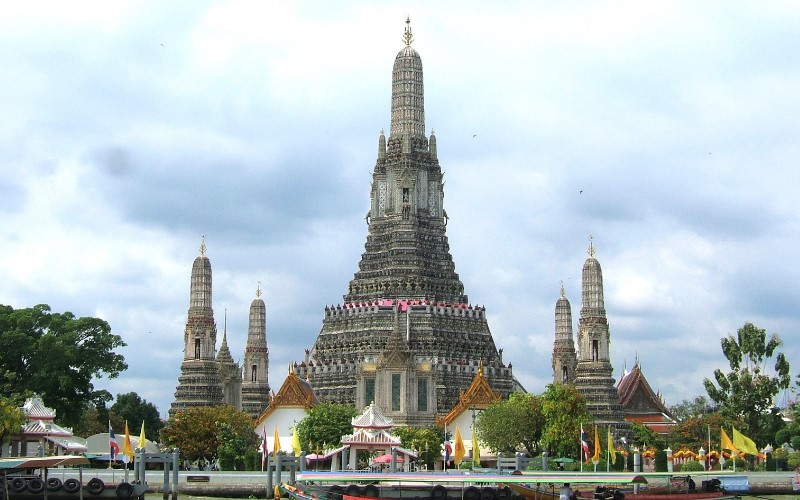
(293, 393)
(479, 395)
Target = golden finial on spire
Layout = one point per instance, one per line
(480, 367)
(407, 37)
(563, 293)
(258, 290)
(591, 246)
(203, 246)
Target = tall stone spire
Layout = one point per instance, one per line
(564, 358)
(406, 291)
(199, 382)
(408, 92)
(255, 386)
(594, 379)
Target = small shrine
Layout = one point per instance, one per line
(289, 406)
(372, 432)
(41, 436)
(471, 402)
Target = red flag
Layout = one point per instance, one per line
(264, 448)
(112, 443)
(585, 444)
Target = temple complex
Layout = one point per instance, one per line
(405, 342)
(406, 336)
(208, 378)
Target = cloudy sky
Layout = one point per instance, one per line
(666, 130)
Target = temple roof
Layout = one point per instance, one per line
(372, 418)
(632, 387)
(293, 393)
(45, 428)
(371, 437)
(35, 409)
(478, 395)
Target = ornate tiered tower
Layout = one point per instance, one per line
(199, 382)
(564, 358)
(406, 336)
(255, 387)
(593, 378)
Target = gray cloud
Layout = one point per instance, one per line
(666, 131)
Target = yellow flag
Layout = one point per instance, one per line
(596, 456)
(142, 439)
(611, 451)
(744, 443)
(127, 450)
(296, 442)
(459, 451)
(725, 441)
(476, 451)
(276, 442)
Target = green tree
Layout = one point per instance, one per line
(427, 441)
(135, 410)
(324, 426)
(511, 423)
(748, 390)
(697, 407)
(236, 443)
(644, 437)
(12, 418)
(693, 432)
(57, 355)
(200, 432)
(564, 412)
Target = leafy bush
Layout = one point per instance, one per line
(227, 458)
(740, 464)
(794, 459)
(661, 461)
(692, 466)
(252, 460)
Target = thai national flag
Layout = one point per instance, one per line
(112, 443)
(585, 444)
(448, 450)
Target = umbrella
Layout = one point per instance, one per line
(386, 459)
(563, 460)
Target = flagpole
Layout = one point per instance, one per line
(708, 467)
(445, 444)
